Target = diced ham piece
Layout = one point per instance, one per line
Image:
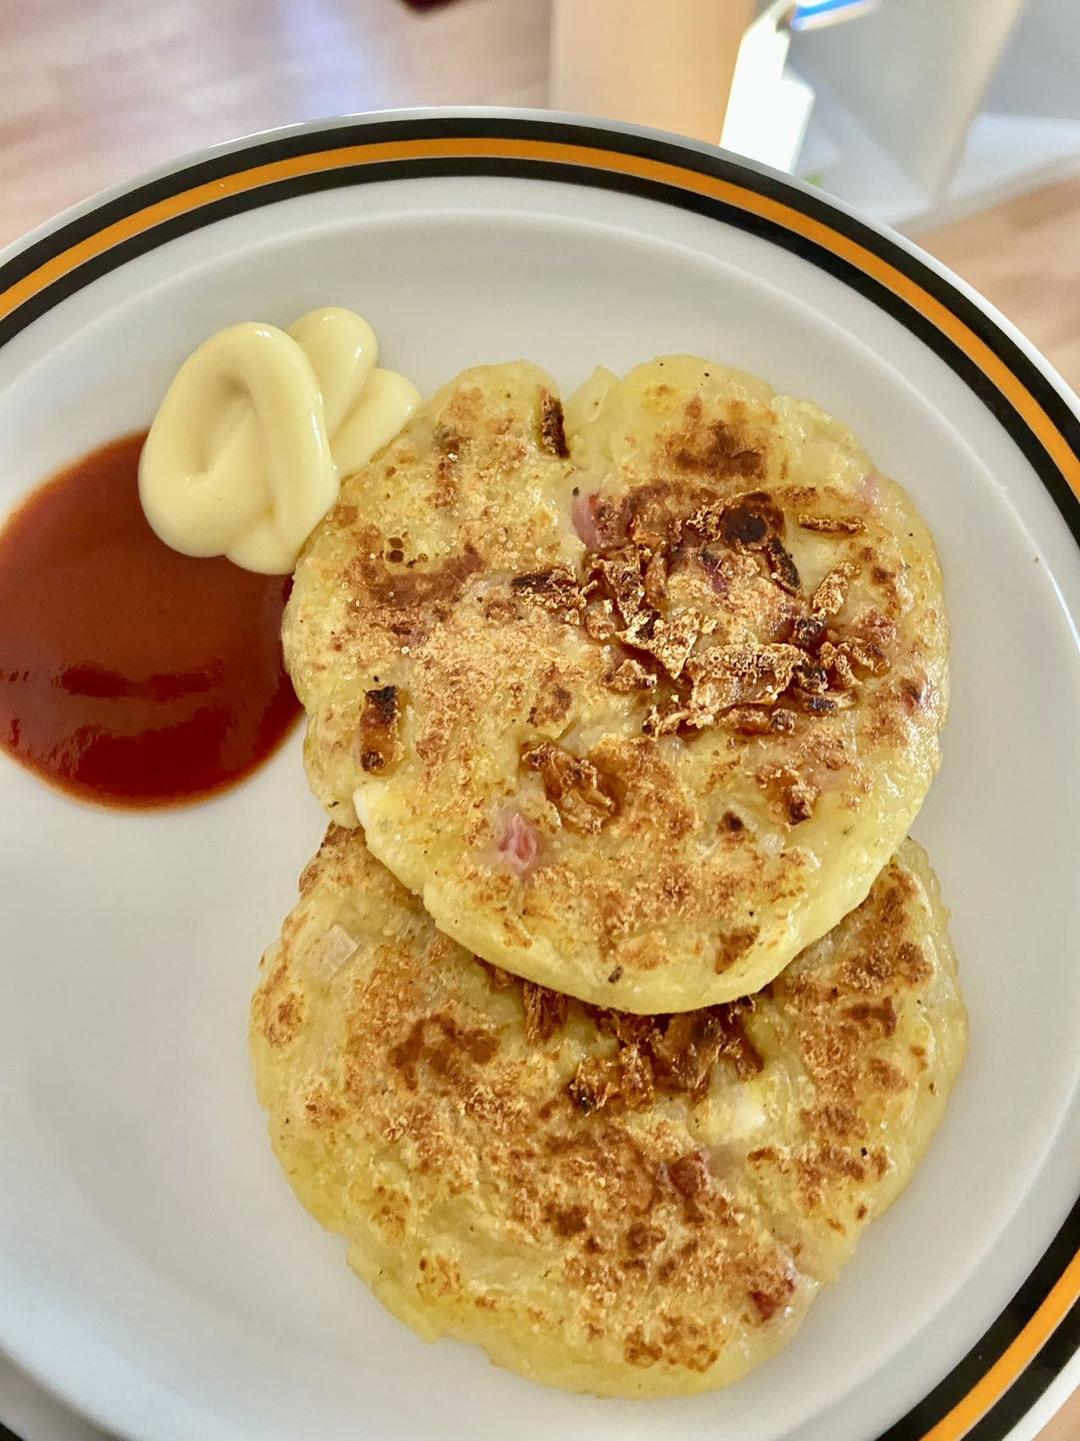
(584, 517)
(519, 843)
(868, 490)
(710, 564)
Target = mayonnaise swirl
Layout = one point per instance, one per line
(247, 451)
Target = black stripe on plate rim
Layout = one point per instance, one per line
(434, 127)
(969, 371)
(1043, 1369)
(1017, 1400)
(949, 1391)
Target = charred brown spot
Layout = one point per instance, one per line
(552, 707)
(742, 526)
(321, 1108)
(832, 524)
(641, 1236)
(735, 1043)
(281, 1011)
(759, 504)
(619, 572)
(415, 588)
(690, 1175)
(444, 1045)
(732, 823)
(887, 1075)
(552, 427)
(377, 737)
(567, 1220)
(556, 590)
(683, 1049)
(669, 640)
(812, 704)
(811, 677)
(763, 1155)
(629, 676)
(610, 517)
(748, 521)
(836, 1118)
(573, 785)
(655, 580)
(595, 1082)
(717, 450)
(639, 1352)
(757, 721)
(545, 1011)
(799, 800)
(808, 632)
(733, 945)
(449, 442)
(831, 593)
(879, 1016)
(866, 654)
(782, 567)
(732, 675)
(793, 795)
(669, 1053)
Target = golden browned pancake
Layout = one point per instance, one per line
(620, 1204)
(638, 702)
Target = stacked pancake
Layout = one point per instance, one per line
(615, 1003)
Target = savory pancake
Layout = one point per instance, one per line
(639, 700)
(612, 1203)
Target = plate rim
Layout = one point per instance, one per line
(1035, 1337)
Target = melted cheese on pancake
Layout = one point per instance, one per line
(605, 1202)
(638, 702)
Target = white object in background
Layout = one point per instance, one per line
(666, 65)
(841, 155)
(817, 14)
(768, 109)
(914, 74)
(1040, 73)
(875, 107)
(1008, 154)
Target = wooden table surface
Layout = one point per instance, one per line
(93, 93)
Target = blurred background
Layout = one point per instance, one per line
(956, 121)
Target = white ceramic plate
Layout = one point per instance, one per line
(155, 1268)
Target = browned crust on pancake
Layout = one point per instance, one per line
(662, 1248)
(378, 732)
(729, 636)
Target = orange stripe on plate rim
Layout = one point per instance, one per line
(593, 157)
(1066, 1291)
(1013, 1360)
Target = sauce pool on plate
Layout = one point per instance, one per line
(131, 675)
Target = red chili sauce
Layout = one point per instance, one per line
(131, 675)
